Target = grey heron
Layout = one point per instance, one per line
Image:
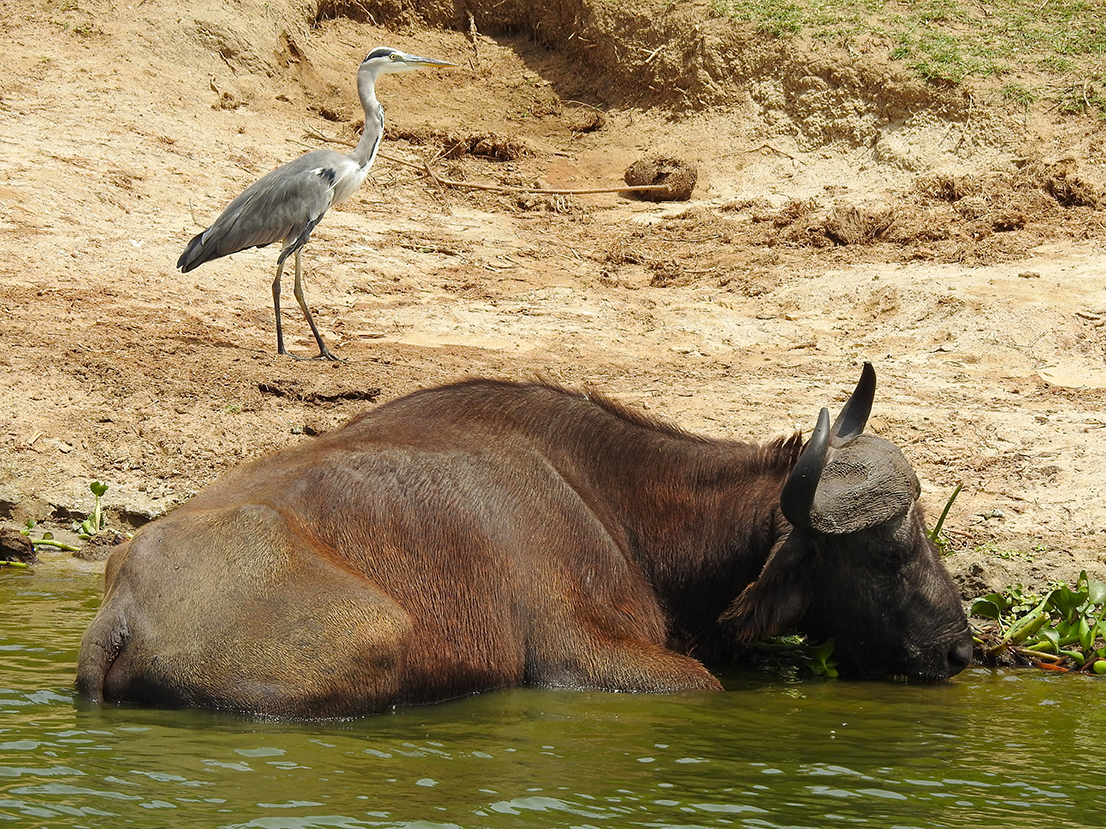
(286, 204)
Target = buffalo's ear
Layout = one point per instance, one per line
(866, 482)
(777, 601)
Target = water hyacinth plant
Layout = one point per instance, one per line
(1062, 630)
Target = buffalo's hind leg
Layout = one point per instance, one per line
(233, 608)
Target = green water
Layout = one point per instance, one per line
(990, 749)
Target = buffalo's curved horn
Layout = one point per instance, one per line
(797, 496)
(854, 414)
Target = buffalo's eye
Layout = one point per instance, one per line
(893, 557)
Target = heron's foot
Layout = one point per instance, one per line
(326, 354)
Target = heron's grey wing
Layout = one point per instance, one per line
(284, 204)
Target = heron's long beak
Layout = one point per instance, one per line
(414, 61)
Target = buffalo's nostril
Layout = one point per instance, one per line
(960, 656)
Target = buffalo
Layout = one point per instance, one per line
(490, 534)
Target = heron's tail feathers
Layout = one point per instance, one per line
(196, 253)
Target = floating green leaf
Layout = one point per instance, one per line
(821, 661)
(988, 607)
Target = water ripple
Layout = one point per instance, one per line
(769, 753)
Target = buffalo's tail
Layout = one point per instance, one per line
(101, 645)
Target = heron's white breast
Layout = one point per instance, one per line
(347, 177)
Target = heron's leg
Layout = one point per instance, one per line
(276, 308)
(324, 352)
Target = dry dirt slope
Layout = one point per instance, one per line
(842, 214)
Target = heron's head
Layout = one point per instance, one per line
(384, 59)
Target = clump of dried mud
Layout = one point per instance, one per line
(671, 179)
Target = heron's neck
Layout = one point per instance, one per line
(365, 151)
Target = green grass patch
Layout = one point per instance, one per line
(949, 41)
(1019, 95)
(1087, 96)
